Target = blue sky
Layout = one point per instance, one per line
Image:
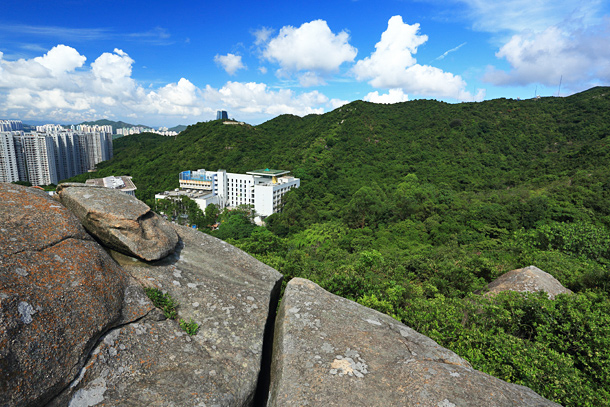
(169, 63)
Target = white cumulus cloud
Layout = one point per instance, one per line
(54, 68)
(231, 63)
(258, 98)
(393, 96)
(581, 58)
(58, 86)
(47, 87)
(112, 75)
(61, 59)
(393, 66)
(311, 47)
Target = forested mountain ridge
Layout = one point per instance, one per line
(410, 208)
(492, 144)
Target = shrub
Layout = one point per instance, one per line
(190, 327)
(169, 307)
(163, 301)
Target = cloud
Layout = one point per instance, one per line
(311, 47)
(155, 33)
(62, 33)
(58, 86)
(230, 63)
(520, 15)
(262, 35)
(544, 40)
(581, 57)
(61, 59)
(450, 51)
(336, 103)
(155, 36)
(258, 98)
(393, 65)
(309, 79)
(393, 96)
(53, 69)
(111, 76)
(180, 98)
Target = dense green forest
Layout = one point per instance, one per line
(413, 208)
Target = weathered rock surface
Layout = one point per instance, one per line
(59, 292)
(64, 185)
(329, 351)
(528, 279)
(120, 221)
(154, 363)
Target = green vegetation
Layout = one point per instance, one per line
(190, 327)
(178, 128)
(163, 301)
(412, 208)
(170, 309)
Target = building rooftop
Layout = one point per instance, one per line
(123, 183)
(193, 194)
(266, 172)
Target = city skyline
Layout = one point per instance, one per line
(51, 153)
(179, 63)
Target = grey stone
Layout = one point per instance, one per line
(154, 363)
(64, 185)
(329, 351)
(59, 292)
(120, 221)
(528, 279)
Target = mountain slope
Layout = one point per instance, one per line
(495, 144)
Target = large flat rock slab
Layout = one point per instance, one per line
(59, 292)
(329, 351)
(528, 279)
(120, 221)
(154, 363)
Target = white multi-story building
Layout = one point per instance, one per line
(95, 148)
(81, 148)
(262, 189)
(9, 171)
(11, 125)
(67, 154)
(268, 195)
(39, 157)
(85, 128)
(50, 128)
(50, 155)
(127, 131)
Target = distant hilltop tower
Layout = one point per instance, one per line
(222, 115)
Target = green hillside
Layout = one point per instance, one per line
(411, 208)
(115, 125)
(178, 128)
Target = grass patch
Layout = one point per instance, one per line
(190, 327)
(163, 301)
(169, 306)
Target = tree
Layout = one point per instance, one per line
(366, 207)
(210, 215)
